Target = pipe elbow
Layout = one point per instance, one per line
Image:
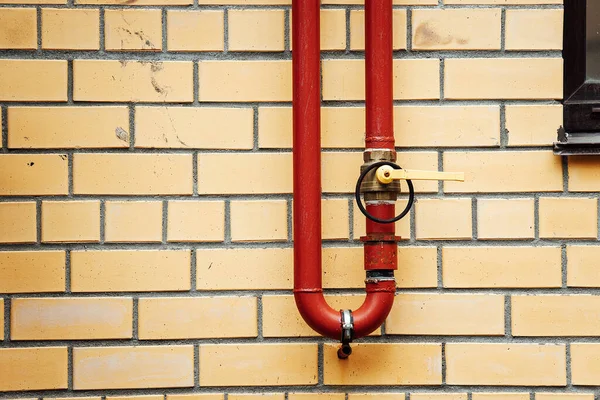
(375, 309)
(318, 314)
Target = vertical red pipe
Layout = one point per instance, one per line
(307, 166)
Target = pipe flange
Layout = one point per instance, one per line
(347, 326)
(380, 279)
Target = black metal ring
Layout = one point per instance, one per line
(411, 194)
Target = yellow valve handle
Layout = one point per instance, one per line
(387, 174)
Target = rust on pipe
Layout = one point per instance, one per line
(380, 241)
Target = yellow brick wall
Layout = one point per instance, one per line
(145, 205)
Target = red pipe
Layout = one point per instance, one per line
(380, 247)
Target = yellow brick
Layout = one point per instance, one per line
(134, 221)
(66, 29)
(317, 396)
(183, 127)
(357, 29)
(384, 364)
(254, 364)
(534, 29)
(32, 271)
(197, 318)
(133, 29)
(568, 217)
(18, 28)
(259, 172)
(516, 364)
(132, 174)
(501, 267)
(500, 396)
(334, 219)
(33, 174)
(133, 367)
(33, 80)
(443, 219)
(151, 81)
(533, 125)
(33, 368)
(282, 319)
(417, 267)
(256, 30)
(195, 30)
(508, 78)
(18, 221)
(446, 314)
(33, 2)
(456, 29)
(2, 319)
(71, 221)
(439, 396)
(71, 318)
(68, 127)
(402, 226)
(147, 397)
(245, 81)
(259, 220)
(207, 396)
(261, 396)
(195, 221)
(505, 219)
(413, 79)
(243, 269)
(447, 126)
(73, 398)
(582, 268)
(585, 369)
(500, 172)
(130, 271)
(376, 396)
(544, 315)
(584, 174)
(564, 396)
(137, 2)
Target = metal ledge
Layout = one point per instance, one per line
(577, 144)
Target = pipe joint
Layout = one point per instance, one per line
(347, 323)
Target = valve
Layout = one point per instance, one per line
(386, 173)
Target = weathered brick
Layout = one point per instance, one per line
(197, 318)
(505, 219)
(256, 30)
(552, 315)
(32, 271)
(253, 364)
(582, 266)
(385, 364)
(568, 218)
(132, 81)
(533, 125)
(130, 270)
(18, 221)
(68, 127)
(33, 80)
(133, 221)
(195, 30)
(71, 221)
(33, 368)
(534, 29)
(516, 364)
(33, 174)
(446, 314)
(131, 174)
(456, 29)
(133, 29)
(508, 78)
(18, 28)
(71, 318)
(68, 29)
(501, 267)
(133, 367)
(184, 127)
(500, 172)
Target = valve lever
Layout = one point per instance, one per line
(387, 174)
